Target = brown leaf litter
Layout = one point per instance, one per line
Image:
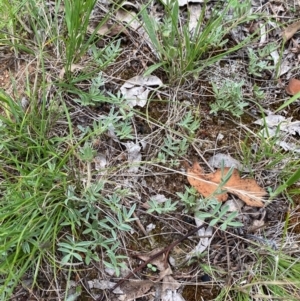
(207, 184)
(289, 31)
(161, 282)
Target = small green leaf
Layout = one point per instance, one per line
(152, 68)
(213, 221)
(66, 258)
(203, 215)
(78, 256)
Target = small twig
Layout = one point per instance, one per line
(165, 250)
(199, 153)
(138, 222)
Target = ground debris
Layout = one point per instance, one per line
(136, 89)
(289, 32)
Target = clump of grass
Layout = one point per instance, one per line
(34, 178)
(43, 194)
(77, 16)
(49, 209)
(182, 53)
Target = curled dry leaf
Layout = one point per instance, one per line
(206, 184)
(291, 30)
(293, 87)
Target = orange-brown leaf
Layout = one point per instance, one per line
(206, 184)
(293, 87)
